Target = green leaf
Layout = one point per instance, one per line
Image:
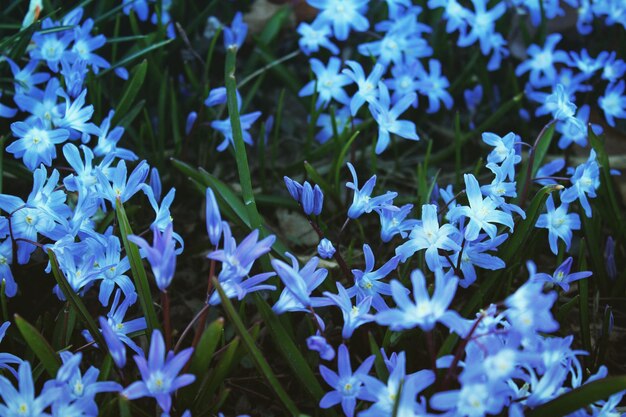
(259, 360)
(201, 359)
(241, 155)
(131, 88)
(39, 345)
(230, 203)
(541, 149)
(342, 155)
(290, 352)
(134, 56)
(75, 301)
(216, 378)
(139, 273)
(580, 397)
(206, 347)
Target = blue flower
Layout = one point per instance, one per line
(559, 223)
(237, 260)
(116, 185)
(107, 141)
(562, 276)
(613, 102)
(226, 129)
(367, 87)
(574, 129)
(43, 106)
(319, 344)
(44, 212)
(314, 36)
(74, 75)
(529, 308)
(81, 387)
(473, 399)
(541, 61)
(140, 7)
(480, 212)
(614, 68)
(51, 47)
(310, 198)
(430, 236)
(112, 267)
(363, 202)
(425, 312)
(5, 111)
(85, 44)
(473, 255)
(75, 117)
(348, 385)
(116, 331)
(213, 218)
(367, 283)
(329, 84)
(342, 122)
(26, 79)
(385, 396)
(393, 221)
(353, 316)
(161, 255)
(433, 85)
(387, 116)
(235, 35)
(586, 64)
(325, 249)
(6, 276)
(299, 283)
(342, 15)
(35, 144)
(23, 402)
(585, 181)
(482, 23)
(502, 146)
(160, 373)
(559, 104)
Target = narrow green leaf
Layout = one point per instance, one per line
(566, 308)
(75, 301)
(241, 155)
(216, 378)
(583, 292)
(206, 347)
(379, 363)
(341, 156)
(131, 88)
(274, 25)
(580, 397)
(39, 345)
(132, 57)
(256, 355)
(541, 148)
(230, 203)
(289, 350)
(139, 273)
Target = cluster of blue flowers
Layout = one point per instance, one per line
(508, 357)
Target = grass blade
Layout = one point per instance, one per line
(131, 88)
(580, 397)
(259, 360)
(76, 301)
(39, 345)
(139, 273)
